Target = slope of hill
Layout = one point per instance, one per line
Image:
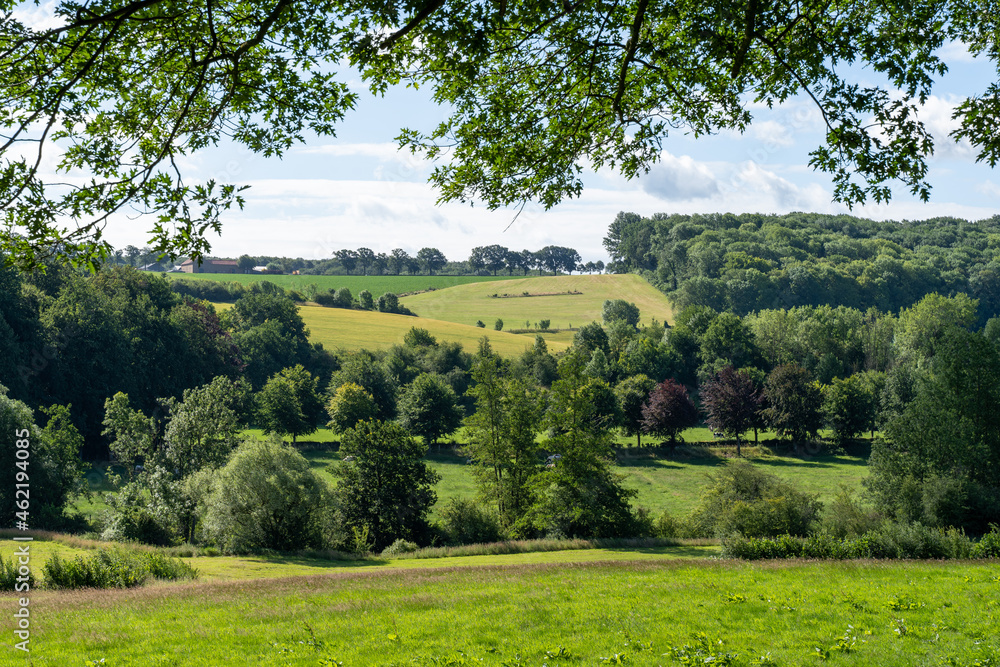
(377, 285)
(357, 329)
(467, 303)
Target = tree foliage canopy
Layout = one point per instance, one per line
(123, 91)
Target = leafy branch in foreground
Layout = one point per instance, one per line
(99, 111)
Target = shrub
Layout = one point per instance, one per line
(498, 325)
(137, 524)
(113, 568)
(744, 499)
(915, 540)
(846, 517)
(480, 324)
(892, 540)
(326, 299)
(669, 526)
(465, 522)
(170, 569)
(9, 574)
(398, 547)
(989, 545)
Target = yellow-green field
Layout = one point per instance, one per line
(467, 303)
(357, 329)
(339, 328)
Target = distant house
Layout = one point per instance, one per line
(211, 266)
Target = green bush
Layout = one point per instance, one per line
(465, 522)
(113, 568)
(745, 499)
(847, 517)
(326, 299)
(398, 547)
(989, 545)
(669, 526)
(137, 524)
(9, 574)
(267, 497)
(891, 540)
(166, 568)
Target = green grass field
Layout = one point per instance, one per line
(337, 328)
(671, 484)
(377, 285)
(467, 303)
(625, 611)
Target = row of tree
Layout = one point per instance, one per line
(427, 261)
(496, 258)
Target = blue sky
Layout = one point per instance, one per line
(356, 189)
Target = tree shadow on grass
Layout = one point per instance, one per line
(677, 552)
(320, 563)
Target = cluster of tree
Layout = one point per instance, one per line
(218, 291)
(494, 258)
(115, 343)
(750, 262)
(69, 338)
(429, 261)
(387, 302)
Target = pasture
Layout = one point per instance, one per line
(470, 302)
(339, 328)
(631, 607)
(377, 285)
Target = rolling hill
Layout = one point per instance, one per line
(357, 329)
(465, 304)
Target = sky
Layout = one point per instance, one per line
(357, 189)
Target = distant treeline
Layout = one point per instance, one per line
(483, 260)
(750, 262)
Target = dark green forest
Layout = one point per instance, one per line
(750, 262)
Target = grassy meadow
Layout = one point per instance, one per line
(467, 303)
(651, 611)
(451, 311)
(338, 328)
(377, 285)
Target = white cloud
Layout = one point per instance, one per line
(772, 133)
(40, 17)
(936, 114)
(957, 52)
(989, 188)
(382, 151)
(680, 179)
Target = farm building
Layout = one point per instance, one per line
(210, 266)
